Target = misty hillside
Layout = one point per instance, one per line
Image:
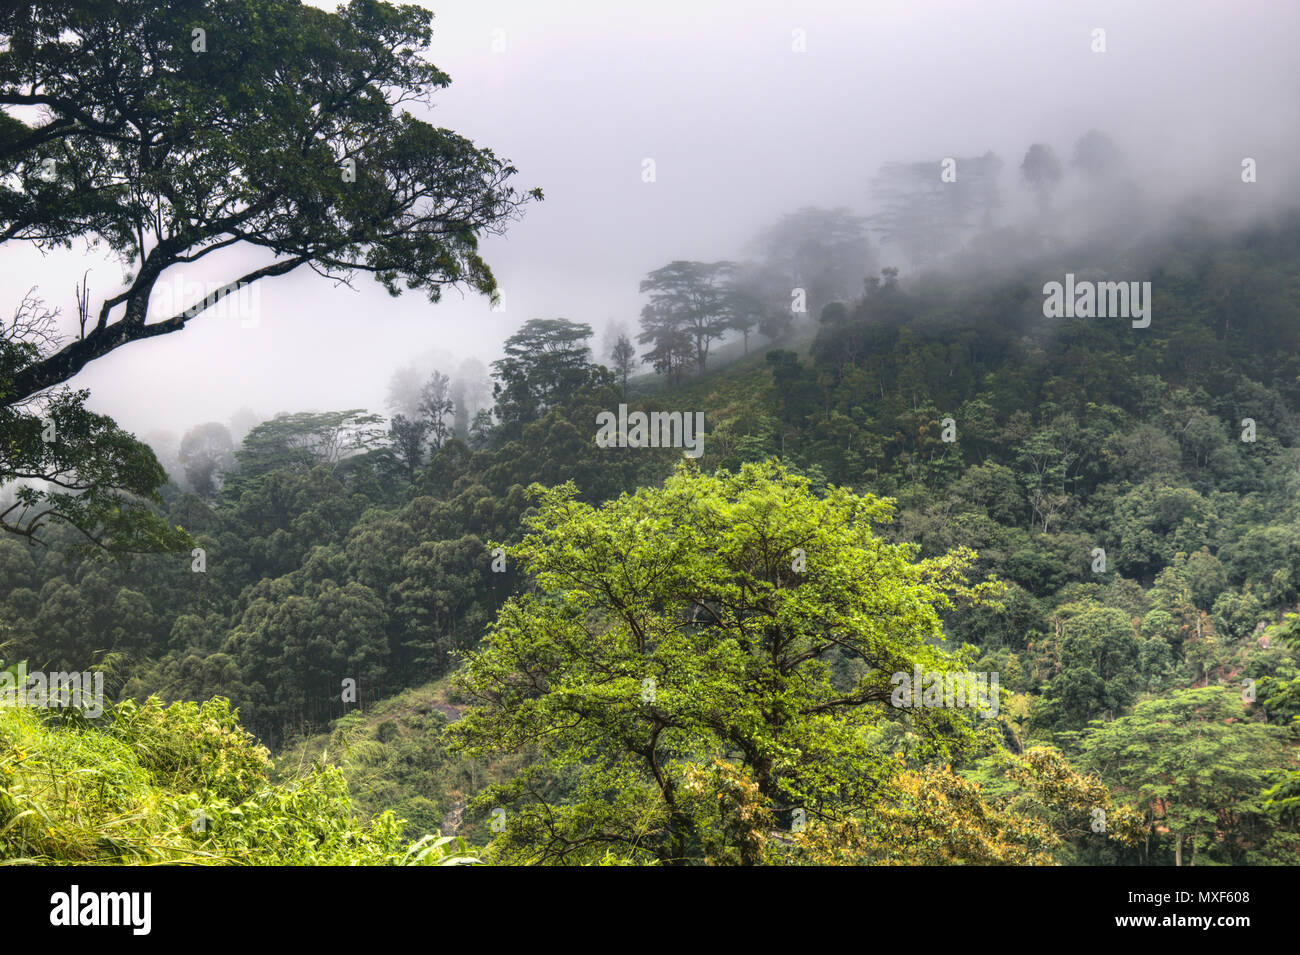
(1072, 438)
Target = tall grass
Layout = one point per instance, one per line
(180, 784)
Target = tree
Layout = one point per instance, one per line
(546, 362)
(118, 125)
(404, 392)
(312, 162)
(1097, 156)
(470, 388)
(796, 387)
(826, 252)
(1041, 171)
(691, 298)
(442, 586)
(61, 463)
(1280, 695)
(624, 355)
(408, 438)
(300, 442)
(1193, 763)
(671, 349)
(1097, 656)
(436, 407)
(480, 430)
(241, 422)
(695, 622)
(206, 451)
(747, 309)
(294, 648)
(776, 323)
(927, 215)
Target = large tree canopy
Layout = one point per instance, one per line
(172, 131)
(701, 622)
(1192, 762)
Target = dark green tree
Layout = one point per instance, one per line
(546, 362)
(692, 299)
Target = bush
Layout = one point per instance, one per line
(183, 783)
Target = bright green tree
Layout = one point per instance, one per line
(1280, 695)
(696, 623)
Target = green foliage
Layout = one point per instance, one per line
(547, 362)
(1095, 655)
(338, 548)
(179, 784)
(698, 621)
(1195, 764)
(89, 474)
(1280, 695)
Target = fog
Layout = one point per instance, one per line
(742, 127)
